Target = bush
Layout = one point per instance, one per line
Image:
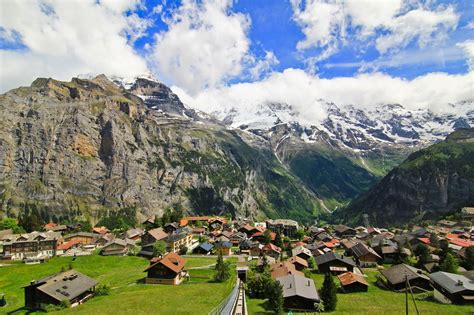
(102, 289)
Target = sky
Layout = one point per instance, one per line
(224, 53)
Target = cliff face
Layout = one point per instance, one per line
(86, 147)
(429, 182)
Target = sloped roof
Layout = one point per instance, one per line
(452, 282)
(172, 261)
(360, 249)
(284, 268)
(331, 256)
(296, 285)
(68, 245)
(299, 260)
(396, 274)
(206, 246)
(350, 277)
(158, 234)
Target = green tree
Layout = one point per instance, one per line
(434, 240)
(311, 263)
(329, 293)
(183, 250)
(423, 254)
(222, 271)
(11, 223)
(274, 292)
(278, 240)
(469, 262)
(267, 236)
(300, 233)
(449, 264)
(159, 248)
(86, 226)
(264, 266)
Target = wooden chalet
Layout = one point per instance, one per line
(299, 263)
(203, 249)
(352, 282)
(344, 231)
(117, 247)
(166, 270)
(452, 288)
(365, 256)
(334, 263)
(395, 278)
(299, 293)
(272, 250)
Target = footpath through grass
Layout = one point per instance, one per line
(127, 295)
(375, 301)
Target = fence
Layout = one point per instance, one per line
(226, 307)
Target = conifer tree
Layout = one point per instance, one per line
(329, 293)
(449, 264)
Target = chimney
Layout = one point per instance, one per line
(308, 284)
(460, 283)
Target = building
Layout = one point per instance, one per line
(452, 288)
(395, 277)
(85, 238)
(334, 263)
(364, 255)
(203, 249)
(302, 252)
(67, 246)
(151, 236)
(133, 234)
(117, 247)
(352, 282)
(468, 213)
(70, 285)
(225, 248)
(283, 268)
(166, 270)
(283, 226)
(299, 263)
(272, 250)
(299, 293)
(176, 240)
(31, 245)
(344, 231)
(100, 230)
(171, 227)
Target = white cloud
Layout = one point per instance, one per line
(468, 47)
(205, 45)
(305, 92)
(67, 38)
(393, 24)
(264, 66)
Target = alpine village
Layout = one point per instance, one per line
(224, 157)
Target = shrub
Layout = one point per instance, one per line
(102, 289)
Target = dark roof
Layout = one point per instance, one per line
(66, 285)
(206, 246)
(81, 234)
(453, 283)
(342, 228)
(296, 285)
(223, 245)
(331, 256)
(396, 274)
(176, 237)
(360, 249)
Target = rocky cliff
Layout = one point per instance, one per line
(430, 182)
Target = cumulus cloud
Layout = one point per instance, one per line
(468, 47)
(264, 66)
(394, 24)
(308, 94)
(205, 45)
(62, 39)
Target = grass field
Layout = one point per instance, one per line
(375, 301)
(198, 296)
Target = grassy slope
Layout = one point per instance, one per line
(126, 297)
(375, 301)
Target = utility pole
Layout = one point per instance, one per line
(406, 294)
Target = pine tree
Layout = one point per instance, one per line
(329, 293)
(449, 264)
(423, 254)
(278, 240)
(275, 296)
(470, 258)
(222, 272)
(267, 237)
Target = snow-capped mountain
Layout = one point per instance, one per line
(351, 127)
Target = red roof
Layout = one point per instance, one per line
(50, 225)
(461, 242)
(424, 240)
(172, 261)
(272, 247)
(68, 245)
(100, 230)
(349, 277)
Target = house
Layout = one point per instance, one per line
(171, 227)
(237, 238)
(245, 246)
(299, 293)
(334, 263)
(272, 250)
(152, 236)
(149, 223)
(395, 277)
(100, 230)
(248, 230)
(283, 226)
(364, 255)
(175, 241)
(133, 234)
(70, 285)
(166, 270)
(452, 288)
(64, 247)
(55, 227)
(216, 223)
(352, 282)
(203, 249)
(270, 260)
(104, 239)
(85, 238)
(117, 247)
(282, 269)
(302, 252)
(225, 248)
(447, 223)
(467, 213)
(344, 231)
(31, 245)
(259, 236)
(299, 263)
(390, 253)
(256, 249)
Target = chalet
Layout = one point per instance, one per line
(352, 282)
(199, 230)
(103, 239)
(323, 237)
(151, 236)
(171, 227)
(244, 246)
(447, 223)
(283, 226)
(67, 246)
(166, 270)
(420, 232)
(149, 223)
(56, 227)
(395, 277)
(302, 252)
(260, 236)
(248, 230)
(70, 285)
(364, 255)
(261, 259)
(216, 223)
(85, 238)
(225, 248)
(256, 249)
(468, 213)
(283, 268)
(100, 230)
(203, 249)
(133, 234)
(390, 253)
(272, 250)
(299, 263)
(31, 245)
(334, 263)
(347, 244)
(117, 247)
(344, 231)
(299, 293)
(452, 288)
(237, 238)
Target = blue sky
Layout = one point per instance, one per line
(216, 47)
